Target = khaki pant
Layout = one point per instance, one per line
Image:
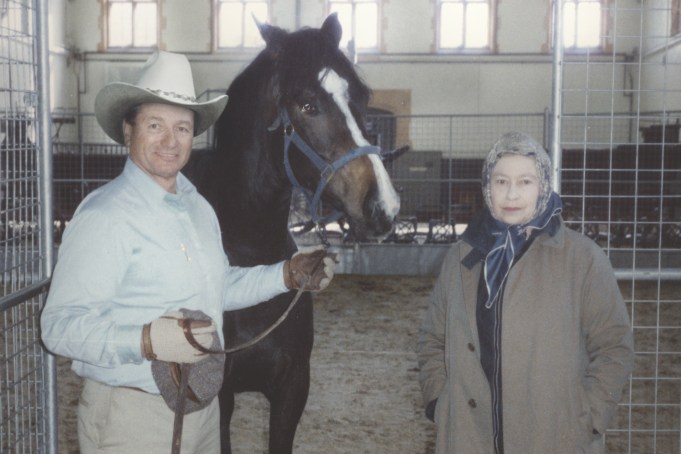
(127, 421)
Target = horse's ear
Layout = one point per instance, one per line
(269, 33)
(331, 28)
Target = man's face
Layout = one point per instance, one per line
(160, 141)
(514, 189)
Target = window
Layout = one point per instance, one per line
(359, 19)
(676, 18)
(465, 24)
(583, 24)
(236, 26)
(132, 23)
(16, 17)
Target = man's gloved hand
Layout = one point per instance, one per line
(164, 339)
(314, 262)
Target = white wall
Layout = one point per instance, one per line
(516, 79)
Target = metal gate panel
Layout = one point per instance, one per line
(26, 371)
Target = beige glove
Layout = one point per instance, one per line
(306, 262)
(164, 339)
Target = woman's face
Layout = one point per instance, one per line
(514, 189)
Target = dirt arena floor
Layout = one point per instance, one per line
(364, 396)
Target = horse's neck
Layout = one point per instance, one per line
(249, 189)
(252, 207)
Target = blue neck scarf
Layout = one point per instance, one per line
(509, 241)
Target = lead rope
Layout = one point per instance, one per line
(185, 369)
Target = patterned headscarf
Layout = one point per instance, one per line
(509, 240)
(518, 143)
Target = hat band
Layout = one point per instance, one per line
(172, 94)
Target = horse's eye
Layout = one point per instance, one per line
(309, 109)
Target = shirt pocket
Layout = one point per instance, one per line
(162, 275)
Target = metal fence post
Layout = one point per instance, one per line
(46, 212)
(556, 101)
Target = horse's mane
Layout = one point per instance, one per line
(247, 100)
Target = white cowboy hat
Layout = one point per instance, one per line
(166, 78)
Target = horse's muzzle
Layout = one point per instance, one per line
(377, 221)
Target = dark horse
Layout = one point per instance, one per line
(302, 84)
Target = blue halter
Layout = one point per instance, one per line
(326, 170)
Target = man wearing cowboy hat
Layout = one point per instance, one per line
(141, 254)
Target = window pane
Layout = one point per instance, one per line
(230, 25)
(258, 10)
(589, 24)
(145, 25)
(366, 25)
(569, 25)
(451, 25)
(120, 24)
(477, 25)
(345, 18)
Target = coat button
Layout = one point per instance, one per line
(472, 403)
(471, 347)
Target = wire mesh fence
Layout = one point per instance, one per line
(622, 187)
(438, 178)
(24, 405)
(23, 381)
(623, 195)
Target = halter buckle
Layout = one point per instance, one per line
(327, 173)
(320, 229)
(288, 129)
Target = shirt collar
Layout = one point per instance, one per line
(153, 192)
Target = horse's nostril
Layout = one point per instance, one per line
(380, 221)
(387, 224)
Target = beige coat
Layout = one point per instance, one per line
(566, 351)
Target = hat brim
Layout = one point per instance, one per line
(205, 376)
(115, 100)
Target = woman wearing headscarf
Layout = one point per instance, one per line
(526, 344)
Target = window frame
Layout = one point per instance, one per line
(675, 28)
(216, 25)
(379, 25)
(132, 47)
(491, 33)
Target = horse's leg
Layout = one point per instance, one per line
(226, 397)
(287, 402)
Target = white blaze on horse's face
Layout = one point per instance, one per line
(337, 87)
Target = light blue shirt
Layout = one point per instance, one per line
(131, 253)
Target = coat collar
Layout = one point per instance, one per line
(473, 257)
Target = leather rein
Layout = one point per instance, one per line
(183, 370)
(326, 172)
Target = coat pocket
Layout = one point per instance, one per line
(442, 405)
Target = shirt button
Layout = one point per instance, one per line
(471, 347)
(472, 403)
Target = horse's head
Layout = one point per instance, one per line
(321, 106)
